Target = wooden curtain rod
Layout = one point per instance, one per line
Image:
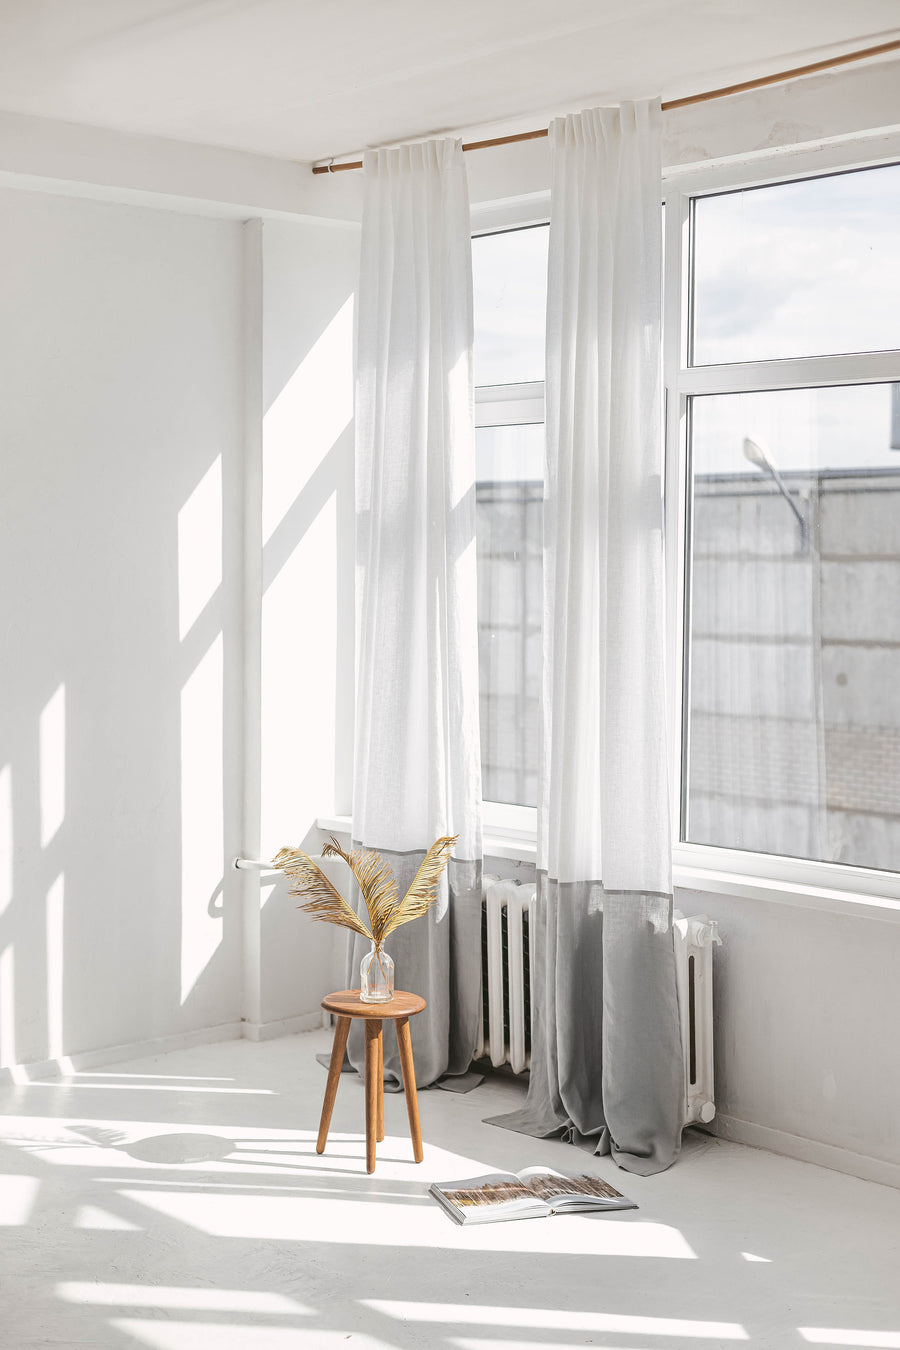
(782, 77)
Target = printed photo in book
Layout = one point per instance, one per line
(533, 1193)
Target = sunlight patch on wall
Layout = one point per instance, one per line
(55, 902)
(6, 837)
(52, 732)
(200, 548)
(7, 1007)
(299, 636)
(307, 417)
(201, 815)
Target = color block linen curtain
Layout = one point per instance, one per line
(418, 766)
(606, 1067)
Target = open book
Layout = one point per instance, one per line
(533, 1193)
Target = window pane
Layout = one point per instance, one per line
(794, 691)
(799, 269)
(509, 275)
(509, 493)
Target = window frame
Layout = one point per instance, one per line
(840, 887)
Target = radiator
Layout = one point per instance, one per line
(507, 935)
(507, 920)
(694, 941)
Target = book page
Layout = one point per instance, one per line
(549, 1186)
(488, 1192)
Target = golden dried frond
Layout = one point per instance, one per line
(323, 900)
(376, 882)
(423, 891)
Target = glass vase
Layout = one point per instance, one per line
(376, 976)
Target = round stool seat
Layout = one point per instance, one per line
(349, 1004)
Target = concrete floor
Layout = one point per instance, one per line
(177, 1202)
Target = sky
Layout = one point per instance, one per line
(791, 270)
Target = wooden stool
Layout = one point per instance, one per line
(401, 1008)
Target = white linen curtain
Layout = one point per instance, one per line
(418, 767)
(606, 1066)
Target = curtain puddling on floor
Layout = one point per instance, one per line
(606, 1066)
(418, 769)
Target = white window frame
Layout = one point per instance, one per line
(510, 831)
(839, 887)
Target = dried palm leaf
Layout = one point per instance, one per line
(424, 889)
(376, 882)
(323, 900)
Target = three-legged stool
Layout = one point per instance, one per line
(401, 1008)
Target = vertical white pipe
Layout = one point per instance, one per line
(252, 611)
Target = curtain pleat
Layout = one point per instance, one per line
(606, 1059)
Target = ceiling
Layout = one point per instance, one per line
(310, 79)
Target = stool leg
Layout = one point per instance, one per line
(373, 1033)
(407, 1068)
(341, 1032)
(380, 1082)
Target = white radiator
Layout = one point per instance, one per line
(507, 922)
(508, 929)
(694, 941)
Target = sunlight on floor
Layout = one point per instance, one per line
(222, 1336)
(878, 1340)
(17, 1197)
(554, 1319)
(161, 1296)
(214, 1225)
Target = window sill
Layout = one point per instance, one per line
(746, 887)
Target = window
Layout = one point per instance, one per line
(510, 289)
(786, 400)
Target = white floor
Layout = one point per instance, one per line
(177, 1202)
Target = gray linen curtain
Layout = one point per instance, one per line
(606, 1054)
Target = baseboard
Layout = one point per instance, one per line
(112, 1054)
(806, 1150)
(287, 1026)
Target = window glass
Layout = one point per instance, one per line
(793, 696)
(509, 497)
(509, 276)
(809, 268)
(510, 298)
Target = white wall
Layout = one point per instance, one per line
(807, 1006)
(120, 397)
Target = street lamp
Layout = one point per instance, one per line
(758, 456)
